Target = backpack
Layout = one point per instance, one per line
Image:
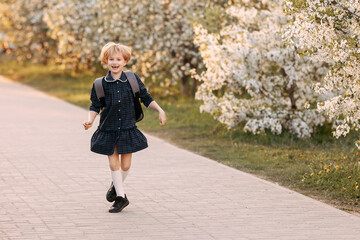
(139, 115)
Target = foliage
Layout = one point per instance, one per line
(160, 33)
(253, 76)
(24, 31)
(73, 25)
(329, 31)
(72, 33)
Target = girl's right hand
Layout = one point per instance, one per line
(87, 125)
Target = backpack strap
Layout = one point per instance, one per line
(133, 81)
(99, 88)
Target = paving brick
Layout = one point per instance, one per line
(53, 187)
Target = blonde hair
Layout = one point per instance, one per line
(110, 48)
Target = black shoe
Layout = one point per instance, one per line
(119, 204)
(111, 193)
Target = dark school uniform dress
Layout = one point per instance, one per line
(117, 120)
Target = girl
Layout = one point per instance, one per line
(117, 132)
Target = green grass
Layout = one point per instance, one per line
(284, 159)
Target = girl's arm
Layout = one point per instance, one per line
(149, 102)
(94, 109)
(91, 117)
(162, 117)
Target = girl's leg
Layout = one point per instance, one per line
(125, 165)
(116, 173)
(114, 160)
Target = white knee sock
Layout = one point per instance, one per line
(118, 183)
(124, 174)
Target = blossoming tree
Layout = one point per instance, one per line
(159, 31)
(329, 31)
(73, 25)
(253, 76)
(24, 31)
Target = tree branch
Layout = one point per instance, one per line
(347, 10)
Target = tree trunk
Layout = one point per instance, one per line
(44, 56)
(184, 85)
(194, 87)
(292, 97)
(291, 91)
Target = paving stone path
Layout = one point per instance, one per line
(53, 187)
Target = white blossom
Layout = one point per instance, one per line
(159, 31)
(253, 76)
(329, 31)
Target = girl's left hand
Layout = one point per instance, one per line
(162, 118)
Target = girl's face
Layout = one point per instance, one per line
(116, 62)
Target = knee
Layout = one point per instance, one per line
(114, 166)
(125, 167)
(125, 161)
